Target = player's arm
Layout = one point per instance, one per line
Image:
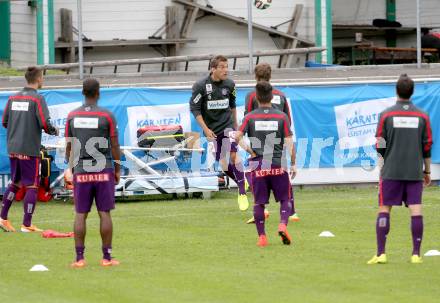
(68, 175)
(427, 171)
(44, 119)
(427, 144)
(290, 145)
(233, 106)
(381, 139)
(287, 108)
(234, 118)
(195, 104)
(68, 151)
(246, 103)
(239, 138)
(206, 130)
(5, 117)
(116, 154)
(244, 129)
(116, 150)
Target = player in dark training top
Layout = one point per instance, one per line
(213, 105)
(263, 72)
(93, 155)
(404, 140)
(25, 115)
(270, 136)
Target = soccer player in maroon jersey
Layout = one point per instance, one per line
(269, 134)
(92, 142)
(404, 149)
(26, 114)
(263, 72)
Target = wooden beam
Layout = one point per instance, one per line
(107, 43)
(189, 20)
(264, 53)
(291, 30)
(243, 22)
(67, 33)
(172, 32)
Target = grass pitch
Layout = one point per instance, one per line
(201, 251)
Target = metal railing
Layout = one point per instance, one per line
(68, 67)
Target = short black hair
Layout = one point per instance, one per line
(264, 92)
(32, 74)
(90, 88)
(405, 87)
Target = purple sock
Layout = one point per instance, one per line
(259, 218)
(238, 173)
(285, 211)
(106, 252)
(292, 200)
(79, 252)
(230, 173)
(417, 233)
(248, 177)
(30, 200)
(292, 211)
(8, 198)
(382, 230)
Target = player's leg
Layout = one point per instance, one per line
(9, 196)
(226, 154)
(254, 164)
(390, 194)
(79, 229)
(105, 202)
(236, 165)
(252, 220)
(250, 176)
(30, 179)
(414, 202)
(106, 230)
(83, 193)
(231, 172)
(382, 228)
(29, 203)
(281, 189)
(416, 231)
(260, 224)
(222, 149)
(294, 216)
(261, 193)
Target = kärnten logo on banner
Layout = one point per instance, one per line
(357, 122)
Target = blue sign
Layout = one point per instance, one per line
(334, 124)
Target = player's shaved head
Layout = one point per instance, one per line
(91, 88)
(264, 92)
(263, 72)
(405, 87)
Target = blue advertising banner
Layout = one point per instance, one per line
(334, 125)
